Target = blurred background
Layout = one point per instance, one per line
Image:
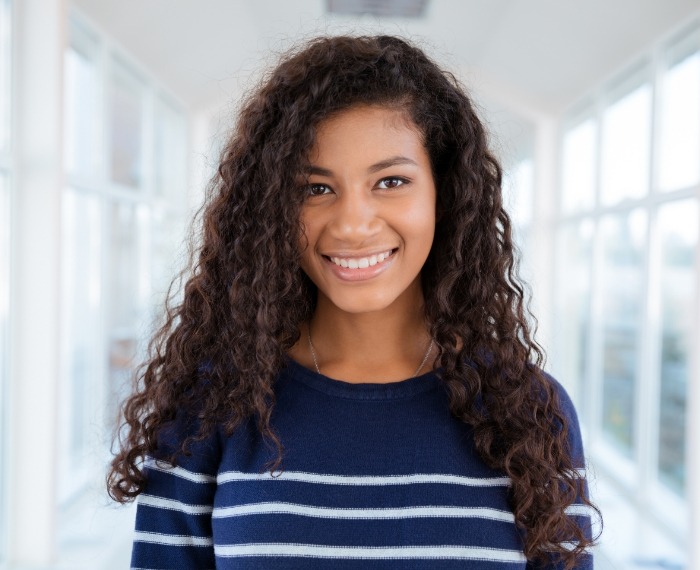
(112, 114)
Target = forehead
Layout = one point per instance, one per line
(366, 130)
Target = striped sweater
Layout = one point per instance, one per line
(375, 476)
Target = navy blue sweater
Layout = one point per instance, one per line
(375, 476)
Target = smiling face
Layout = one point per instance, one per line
(369, 214)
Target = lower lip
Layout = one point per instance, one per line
(362, 273)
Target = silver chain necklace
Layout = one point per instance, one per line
(313, 353)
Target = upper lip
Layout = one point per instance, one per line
(351, 254)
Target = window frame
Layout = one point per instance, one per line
(637, 477)
(76, 477)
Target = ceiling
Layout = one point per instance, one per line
(537, 55)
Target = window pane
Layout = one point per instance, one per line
(80, 112)
(5, 70)
(81, 334)
(579, 167)
(625, 147)
(622, 283)
(679, 153)
(518, 194)
(126, 114)
(170, 156)
(573, 305)
(519, 190)
(168, 254)
(129, 277)
(678, 237)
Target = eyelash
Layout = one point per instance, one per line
(403, 181)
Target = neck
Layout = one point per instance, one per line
(386, 345)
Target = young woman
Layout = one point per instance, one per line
(350, 380)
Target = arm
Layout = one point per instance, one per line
(173, 514)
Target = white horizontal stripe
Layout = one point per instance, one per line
(174, 505)
(345, 513)
(583, 510)
(567, 545)
(397, 552)
(165, 467)
(172, 539)
(229, 476)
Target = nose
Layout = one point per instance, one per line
(355, 216)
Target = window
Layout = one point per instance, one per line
(679, 139)
(125, 150)
(574, 256)
(170, 158)
(625, 146)
(519, 196)
(126, 102)
(80, 104)
(620, 287)
(579, 158)
(677, 227)
(627, 275)
(81, 331)
(127, 289)
(170, 184)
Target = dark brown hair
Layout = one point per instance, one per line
(220, 349)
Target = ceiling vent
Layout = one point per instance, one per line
(379, 8)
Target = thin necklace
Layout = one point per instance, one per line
(313, 353)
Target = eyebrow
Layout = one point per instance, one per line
(381, 165)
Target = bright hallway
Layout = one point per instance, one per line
(112, 115)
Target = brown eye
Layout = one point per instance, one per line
(391, 182)
(316, 189)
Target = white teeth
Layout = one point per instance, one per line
(362, 262)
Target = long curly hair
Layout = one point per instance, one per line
(223, 344)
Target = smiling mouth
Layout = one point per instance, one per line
(361, 262)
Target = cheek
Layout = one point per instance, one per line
(419, 220)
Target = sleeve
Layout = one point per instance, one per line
(173, 513)
(581, 513)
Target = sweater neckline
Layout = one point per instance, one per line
(364, 390)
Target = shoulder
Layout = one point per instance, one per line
(565, 402)
(565, 406)
(182, 441)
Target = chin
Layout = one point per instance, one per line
(359, 303)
